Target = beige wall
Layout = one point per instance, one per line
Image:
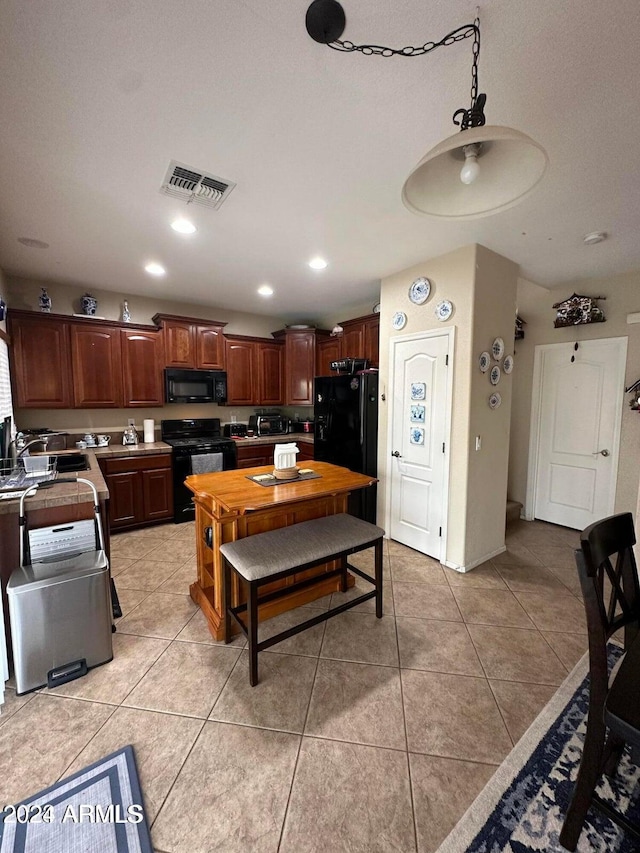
(482, 287)
(535, 306)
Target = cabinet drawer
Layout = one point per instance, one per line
(135, 463)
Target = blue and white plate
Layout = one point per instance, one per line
(484, 361)
(495, 400)
(399, 320)
(494, 376)
(508, 364)
(417, 435)
(419, 291)
(444, 310)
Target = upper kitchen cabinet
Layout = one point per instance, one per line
(360, 338)
(326, 352)
(40, 361)
(191, 342)
(142, 363)
(96, 358)
(254, 371)
(300, 363)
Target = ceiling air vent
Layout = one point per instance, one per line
(192, 185)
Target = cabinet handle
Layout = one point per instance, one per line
(208, 537)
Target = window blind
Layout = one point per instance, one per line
(6, 404)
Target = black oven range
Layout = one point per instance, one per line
(198, 447)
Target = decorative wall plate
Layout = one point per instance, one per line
(508, 364)
(494, 376)
(444, 310)
(495, 400)
(418, 391)
(376, 308)
(484, 361)
(399, 320)
(419, 291)
(497, 349)
(417, 414)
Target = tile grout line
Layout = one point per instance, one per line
(302, 735)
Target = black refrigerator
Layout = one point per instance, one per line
(346, 431)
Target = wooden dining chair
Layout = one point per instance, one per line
(606, 553)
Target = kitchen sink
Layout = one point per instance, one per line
(68, 462)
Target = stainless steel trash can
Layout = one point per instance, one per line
(60, 605)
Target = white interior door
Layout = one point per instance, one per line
(419, 440)
(577, 414)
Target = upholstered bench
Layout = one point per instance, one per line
(278, 554)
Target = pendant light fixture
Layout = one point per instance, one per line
(480, 170)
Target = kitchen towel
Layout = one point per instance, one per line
(206, 463)
(149, 430)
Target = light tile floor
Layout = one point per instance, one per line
(363, 734)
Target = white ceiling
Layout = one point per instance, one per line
(97, 96)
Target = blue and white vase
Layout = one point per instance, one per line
(3, 309)
(44, 301)
(89, 304)
(126, 314)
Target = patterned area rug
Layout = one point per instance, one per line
(523, 805)
(98, 810)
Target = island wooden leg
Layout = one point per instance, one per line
(252, 630)
(378, 575)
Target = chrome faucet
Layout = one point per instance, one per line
(19, 448)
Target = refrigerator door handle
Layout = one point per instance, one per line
(361, 401)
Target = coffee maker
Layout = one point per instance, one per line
(130, 436)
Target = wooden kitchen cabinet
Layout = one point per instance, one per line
(142, 363)
(306, 451)
(140, 489)
(300, 363)
(40, 361)
(360, 338)
(191, 342)
(96, 358)
(254, 371)
(250, 456)
(326, 352)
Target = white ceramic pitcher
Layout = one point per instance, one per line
(284, 456)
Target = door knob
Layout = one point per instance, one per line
(396, 453)
(604, 452)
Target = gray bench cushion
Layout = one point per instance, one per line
(264, 554)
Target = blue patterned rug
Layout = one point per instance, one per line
(522, 807)
(97, 810)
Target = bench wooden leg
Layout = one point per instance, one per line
(226, 596)
(343, 578)
(378, 557)
(252, 631)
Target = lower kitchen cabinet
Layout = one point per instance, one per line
(140, 490)
(251, 456)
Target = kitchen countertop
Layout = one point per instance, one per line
(305, 437)
(61, 494)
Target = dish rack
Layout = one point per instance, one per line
(19, 474)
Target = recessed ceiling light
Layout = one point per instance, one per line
(32, 243)
(595, 237)
(183, 226)
(318, 264)
(155, 269)
(265, 290)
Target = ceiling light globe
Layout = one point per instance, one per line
(265, 290)
(155, 269)
(183, 226)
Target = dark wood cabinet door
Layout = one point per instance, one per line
(326, 352)
(40, 363)
(372, 340)
(352, 343)
(306, 451)
(209, 347)
(125, 499)
(142, 363)
(96, 357)
(179, 344)
(270, 374)
(301, 366)
(242, 385)
(157, 494)
(255, 455)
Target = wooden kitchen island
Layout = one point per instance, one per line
(229, 506)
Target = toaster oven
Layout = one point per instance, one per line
(272, 425)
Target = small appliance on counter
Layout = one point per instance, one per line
(195, 386)
(269, 423)
(302, 426)
(130, 436)
(235, 430)
(349, 365)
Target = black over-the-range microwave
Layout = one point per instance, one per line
(195, 386)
